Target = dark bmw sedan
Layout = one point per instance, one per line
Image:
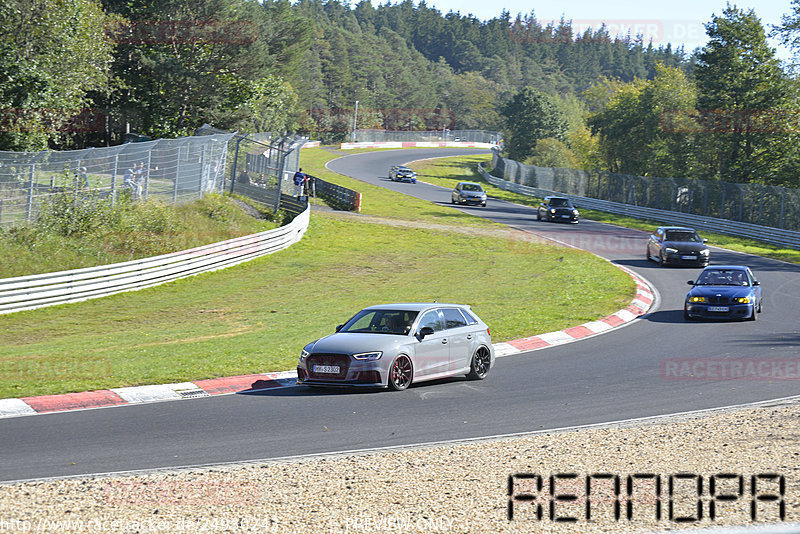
(557, 209)
(724, 292)
(676, 245)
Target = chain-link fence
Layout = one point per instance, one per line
(262, 166)
(172, 170)
(763, 205)
(469, 136)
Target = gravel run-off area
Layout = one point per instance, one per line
(459, 487)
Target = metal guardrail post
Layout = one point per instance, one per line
(113, 192)
(177, 174)
(147, 173)
(236, 161)
(29, 204)
(783, 207)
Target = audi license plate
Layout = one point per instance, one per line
(326, 369)
(718, 308)
(688, 257)
(565, 216)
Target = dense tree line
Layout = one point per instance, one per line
(594, 100)
(165, 67)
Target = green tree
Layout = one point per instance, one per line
(789, 31)
(550, 152)
(182, 63)
(529, 116)
(631, 127)
(51, 53)
(741, 87)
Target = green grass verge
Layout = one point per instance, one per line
(440, 172)
(138, 230)
(257, 316)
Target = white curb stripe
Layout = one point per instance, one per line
(139, 394)
(15, 408)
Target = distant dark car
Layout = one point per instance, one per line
(557, 209)
(400, 173)
(468, 193)
(677, 245)
(724, 292)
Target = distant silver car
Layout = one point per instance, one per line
(468, 193)
(395, 345)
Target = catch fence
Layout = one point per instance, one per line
(756, 204)
(172, 170)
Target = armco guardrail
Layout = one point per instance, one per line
(48, 289)
(777, 236)
(335, 195)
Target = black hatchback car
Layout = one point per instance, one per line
(557, 209)
(677, 245)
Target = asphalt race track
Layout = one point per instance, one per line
(616, 376)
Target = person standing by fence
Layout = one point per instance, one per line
(300, 180)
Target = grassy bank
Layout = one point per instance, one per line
(70, 235)
(257, 316)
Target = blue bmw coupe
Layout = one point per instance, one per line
(724, 292)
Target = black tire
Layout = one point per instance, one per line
(648, 253)
(483, 204)
(760, 305)
(479, 367)
(400, 373)
(452, 201)
(538, 215)
(661, 258)
(754, 314)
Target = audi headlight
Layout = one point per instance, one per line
(697, 299)
(670, 250)
(368, 356)
(552, 210)
(303, 354)
(575, 213)
(704, 252)
(742, 300)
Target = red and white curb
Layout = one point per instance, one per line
(642, 302)
(141, 394)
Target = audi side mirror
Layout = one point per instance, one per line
(425, 331)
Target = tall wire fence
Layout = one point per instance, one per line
(470, 136)
(262, 167)
(170, 170)
(764, 205)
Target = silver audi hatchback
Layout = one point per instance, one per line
(395, 345)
